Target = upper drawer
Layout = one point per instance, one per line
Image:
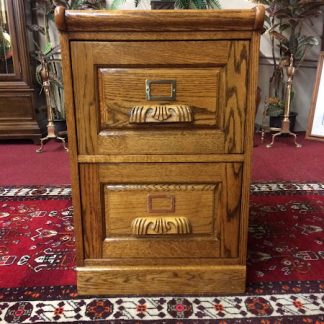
(158, 98)
(163, 97)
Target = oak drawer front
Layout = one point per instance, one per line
(184, 215)
(169, 210)
(154, 97)
(159, 98)
(158, 209)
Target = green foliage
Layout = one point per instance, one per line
(4, 44)
(275, 107)
(179, 4)
(48, 55)
(48, 6)
(284, 21)
(197, 4)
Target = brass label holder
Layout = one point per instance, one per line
(168, 198)
(173, 91)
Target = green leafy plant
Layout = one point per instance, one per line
(275, 106)
(179, 4)
(4, 44)
(284, 22)
(47, 52)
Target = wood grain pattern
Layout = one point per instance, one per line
(131, 53)
(183, 279)
(165, 158)
(121, 53)
(106, 262)
(160, 114)
(249, 130)
(150, 177)
(181, 35)
(169, 173)
(183, 246)
(231, 219)
(126, 200)
(223, 94)
(160, 20)
(16, 106)
(121, 89)
(93, 222)
(160, 225)
(84, 99)
(124, 203)
(236, 78)
(73, 152)
(158, 141)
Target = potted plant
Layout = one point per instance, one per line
(275, 110)
(5, 46)
(47, 51)
(4, 43)
(284, 21)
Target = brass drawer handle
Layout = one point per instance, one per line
(160, 225)
(160, 114)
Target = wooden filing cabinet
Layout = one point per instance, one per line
(160, 108)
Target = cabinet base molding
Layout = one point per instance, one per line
(129, 280)
(20, 130)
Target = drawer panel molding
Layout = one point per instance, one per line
(162, 187)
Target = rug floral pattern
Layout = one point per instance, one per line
(285, 264)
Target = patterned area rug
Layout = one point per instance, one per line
(285, 264)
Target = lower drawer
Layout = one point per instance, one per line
(160, 220)
(161, 210)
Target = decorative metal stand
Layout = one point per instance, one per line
(285, 127)
(51, 132)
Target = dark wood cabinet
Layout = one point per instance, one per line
(17, 102)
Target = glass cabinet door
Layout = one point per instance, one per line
(8, 53)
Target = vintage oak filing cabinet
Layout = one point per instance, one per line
(160, 108)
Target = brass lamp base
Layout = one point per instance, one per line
(51, 133)
(285, 129)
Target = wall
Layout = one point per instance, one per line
(305, 76)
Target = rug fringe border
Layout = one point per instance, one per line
(165, 308)
(65, 190)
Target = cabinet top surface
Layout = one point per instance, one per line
(159, 20)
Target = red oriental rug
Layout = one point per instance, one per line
(285, 264)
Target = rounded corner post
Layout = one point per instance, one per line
(259, 16)
(60, 18)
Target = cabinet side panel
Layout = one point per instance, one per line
(73, 153)
(232, 210)
(92, 221)
(249, 130)
(235, 96)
